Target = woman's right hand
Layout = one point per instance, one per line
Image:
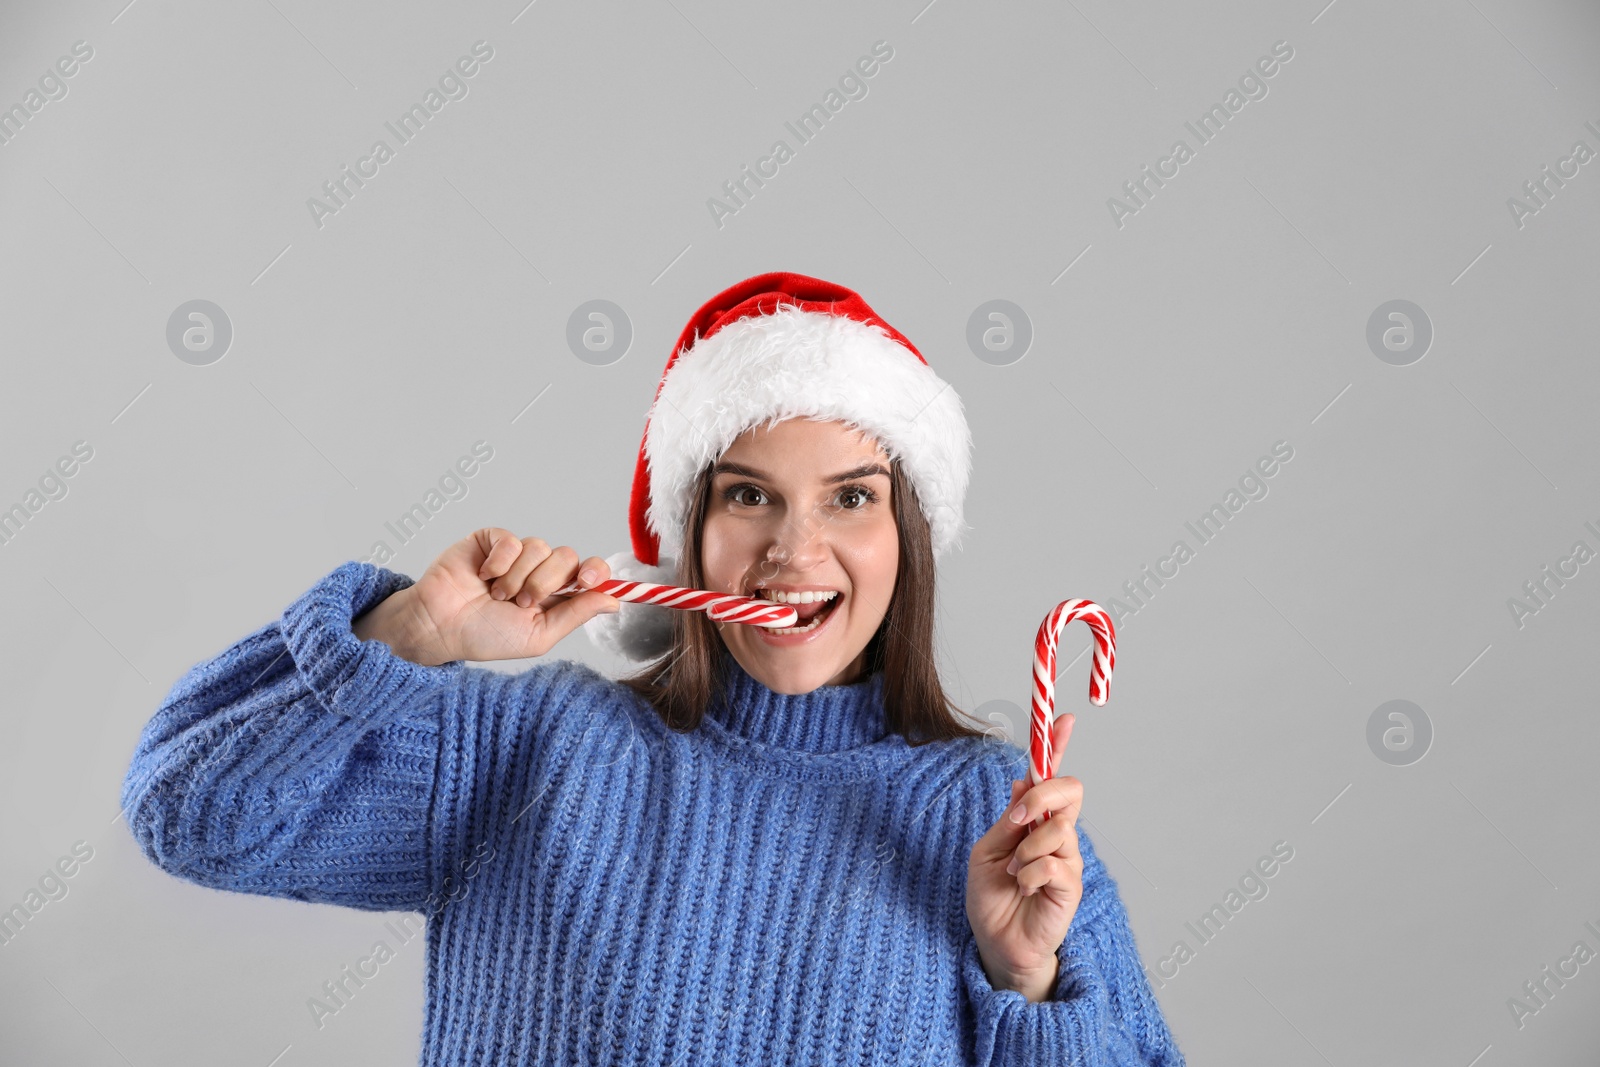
(488, 597)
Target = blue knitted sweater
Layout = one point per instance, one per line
(783, 885)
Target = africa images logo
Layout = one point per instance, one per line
(852, 86)
(1252, 486)
(1252, 86)
(453, 85)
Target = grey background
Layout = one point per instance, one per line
(1228, 314)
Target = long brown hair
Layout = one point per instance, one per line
(680, 684)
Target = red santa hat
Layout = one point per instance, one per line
(774, 347)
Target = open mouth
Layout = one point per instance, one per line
(813, 614)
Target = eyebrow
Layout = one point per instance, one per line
(866, 470)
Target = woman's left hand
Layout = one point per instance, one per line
(1023, 886)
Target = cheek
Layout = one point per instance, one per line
(875, 560)
(724, 556)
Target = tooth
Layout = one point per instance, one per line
(809, 596)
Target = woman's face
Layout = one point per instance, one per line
(800, 506)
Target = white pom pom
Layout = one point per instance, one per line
(636, 631)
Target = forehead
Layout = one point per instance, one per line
(798, 446)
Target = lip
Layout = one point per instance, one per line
(767, 637)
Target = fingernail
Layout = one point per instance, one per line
(1011, 868)
(1019, 813)
(497, 594)
(587, 577)
(524, 600)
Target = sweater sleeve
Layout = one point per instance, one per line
(300, 762)
(1101, 1012)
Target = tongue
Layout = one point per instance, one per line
(810, 611)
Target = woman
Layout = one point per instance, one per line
(768, 846)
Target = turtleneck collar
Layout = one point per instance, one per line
(830, 718)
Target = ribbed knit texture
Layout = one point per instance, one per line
(783, 885)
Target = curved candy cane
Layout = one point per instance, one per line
(722, 607)
(1040, 743)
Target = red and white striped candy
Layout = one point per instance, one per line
(722, 607)
(1040, 743)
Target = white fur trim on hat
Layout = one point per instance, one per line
(795, 363)
(635, 631)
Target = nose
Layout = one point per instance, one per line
(795, 545)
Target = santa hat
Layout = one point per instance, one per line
(774, 347)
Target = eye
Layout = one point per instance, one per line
(735, 492)
(867, 496)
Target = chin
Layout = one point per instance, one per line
(779, 673)
(791, 670)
